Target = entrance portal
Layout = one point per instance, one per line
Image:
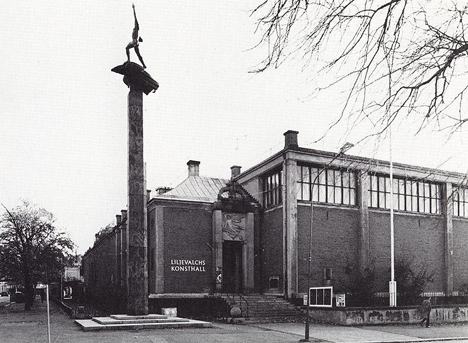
(232, 267)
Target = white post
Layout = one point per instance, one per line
(48, 312)
(392, 286)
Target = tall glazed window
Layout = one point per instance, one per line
(408, 195)
(326, 185)
(272, 189)
(460, 201)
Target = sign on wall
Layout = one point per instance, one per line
(321, 296)
(233, 226)
(188, 265)
(340, 300)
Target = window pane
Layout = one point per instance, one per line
(421, 189)
(305, 191)
(330, 177)
(374, 201)
(313, 175)
(305, 174)
(352, 197)
(434, 191)
(338, 178)
(352, 180)
(395, 186)
(338, 195)
(427, 190)
(322, 178)
(381, 184)
(374, 182)
(414, 206)
(346, 196)
(345, 179)
(387, 200)
(434, 207)
(401, 186)
(330, 194)
(409, 203)
(381, 203)
(427, 205)
(414, 196)
(322, 194)
(421, 204)
(315, 193)
(395, 202)
(401, 202)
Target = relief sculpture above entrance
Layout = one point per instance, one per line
(233, 226)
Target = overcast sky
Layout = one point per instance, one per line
(63, 132)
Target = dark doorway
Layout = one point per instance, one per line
(232, 267)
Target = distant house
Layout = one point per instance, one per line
(72, 274)
(4, 286)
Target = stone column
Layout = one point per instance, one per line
(139, 82)
(447, 210)
(124, 249)
(217, 249)
(159, 229)
(363, 203)
(248, 252)
(290, 226)
(137, 292)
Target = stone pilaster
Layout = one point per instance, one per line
(363, 203)
(137, 292)
(290, 226)
(124, 249)
(248, 253)
(447, 210)
(159, 229)
(217, 249)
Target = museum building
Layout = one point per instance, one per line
(253, 233)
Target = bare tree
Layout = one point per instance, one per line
(31, 248)
(394, 57)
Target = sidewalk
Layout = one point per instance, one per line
(387, 333)
(16, 326)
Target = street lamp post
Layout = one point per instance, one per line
(392, 285)
(343, 149)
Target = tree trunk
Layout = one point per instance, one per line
(28, 290)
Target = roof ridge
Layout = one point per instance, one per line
(196, 186)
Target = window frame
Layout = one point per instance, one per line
(460, 201)
(410, 195)
(273, 188)
(327, 185)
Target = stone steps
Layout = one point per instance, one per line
(151, 321)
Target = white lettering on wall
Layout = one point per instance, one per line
(188, 265)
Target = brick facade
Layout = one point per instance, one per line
(186, 230)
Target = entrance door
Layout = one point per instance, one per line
(232, 267)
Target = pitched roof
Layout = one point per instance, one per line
(196, 188)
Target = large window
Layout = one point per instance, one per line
(335, 186)
(460, 201)
(408, 195)
(272, 189)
